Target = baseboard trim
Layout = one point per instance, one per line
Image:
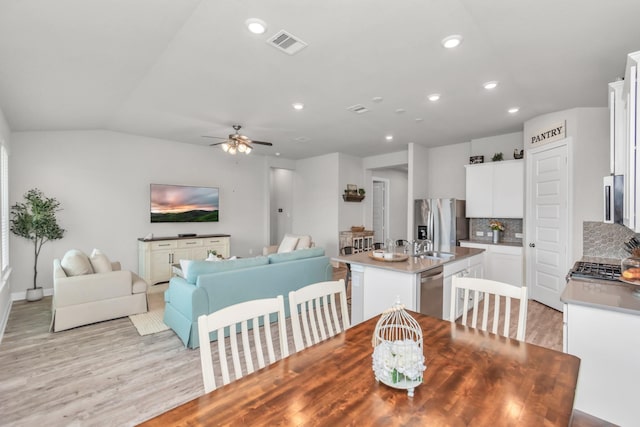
(5, 318)
(22, 295)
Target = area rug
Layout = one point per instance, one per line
(151, 322)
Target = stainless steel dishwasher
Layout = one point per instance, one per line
(431, 292)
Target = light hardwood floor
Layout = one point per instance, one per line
(107, 375)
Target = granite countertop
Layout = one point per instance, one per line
(603, 294)
(413, 265)
(489, 242)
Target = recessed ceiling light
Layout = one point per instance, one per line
(419, 119)
(377, 99)
(389, 137)
(277, 154)
(513, 110)
(400, 110)
(490, 85)
(256, 26)
(452, 41)
(434, 97)
(298, 105)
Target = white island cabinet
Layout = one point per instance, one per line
(376, 285)
(601, 324)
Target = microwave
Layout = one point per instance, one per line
(613, 186)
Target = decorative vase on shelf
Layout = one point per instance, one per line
(496, 236)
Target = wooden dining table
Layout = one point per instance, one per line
(473, 378)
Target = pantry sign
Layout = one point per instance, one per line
(553, 133)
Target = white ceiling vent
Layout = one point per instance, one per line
(358, 109)
(287, 42)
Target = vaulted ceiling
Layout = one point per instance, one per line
(182, 69)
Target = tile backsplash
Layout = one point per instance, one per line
(605, 240)
(511, 227)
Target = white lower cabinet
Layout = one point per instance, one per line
(468, 267)
(501, 263)
(608, 345)
(156, 257)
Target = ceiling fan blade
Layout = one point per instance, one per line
(261, 142)
(220, 143)
(215, 137)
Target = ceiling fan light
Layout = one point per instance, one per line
(242, 148)
(225, 147)
(248, 150)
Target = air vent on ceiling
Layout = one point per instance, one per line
(358, 109)
(287, 42)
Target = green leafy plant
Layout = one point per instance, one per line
(496, 225)
(35, 219)
(497, 157)
(361, 191)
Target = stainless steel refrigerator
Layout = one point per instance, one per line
(442, 221)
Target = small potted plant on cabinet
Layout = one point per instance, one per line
(35, 219)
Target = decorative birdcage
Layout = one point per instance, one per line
(398, 359)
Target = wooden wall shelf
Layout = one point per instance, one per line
(352, 198)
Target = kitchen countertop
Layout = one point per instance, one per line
(602, 294)
(413, 265)
(489, 242)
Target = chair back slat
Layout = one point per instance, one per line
(485, 289)
(234, 317)
(314, 312)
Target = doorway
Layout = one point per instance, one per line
(281, 202)
(380, 202)
(547, 219)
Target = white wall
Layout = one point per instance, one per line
(351, 172)
(102, 181)
(446, 173)
(589, 130)
(491, 145)
(418, 178)
(316, 194)
(5, 285)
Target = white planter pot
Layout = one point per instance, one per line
(35, 294)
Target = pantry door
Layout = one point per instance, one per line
(547, 222)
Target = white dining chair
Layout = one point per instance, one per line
(466, 289)
(239, 315)
(314, 314)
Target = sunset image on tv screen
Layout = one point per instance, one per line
(178, 203)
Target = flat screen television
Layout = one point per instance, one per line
(183, 203)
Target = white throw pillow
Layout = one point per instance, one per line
(100, 262)
(288, 243)
(76, 263)
(304, 242)
(185, 264)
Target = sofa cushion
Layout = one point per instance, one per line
(299, 254)
(76, 263)
(304, 242)
(192, 268)
(288, 244)
(99, 262)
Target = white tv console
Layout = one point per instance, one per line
(157, 255)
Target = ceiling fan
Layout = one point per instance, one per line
(237, 143)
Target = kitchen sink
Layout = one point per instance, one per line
(437, 255)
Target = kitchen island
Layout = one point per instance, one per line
(601, 324)
(376, 284)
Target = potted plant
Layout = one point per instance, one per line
(496, 227)
(35, 219)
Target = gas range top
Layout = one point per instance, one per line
(584, 270)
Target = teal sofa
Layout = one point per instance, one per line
(209, 286)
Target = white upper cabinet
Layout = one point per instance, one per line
(625, 138)
(495, 190)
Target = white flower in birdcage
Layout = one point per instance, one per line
(398, 359)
